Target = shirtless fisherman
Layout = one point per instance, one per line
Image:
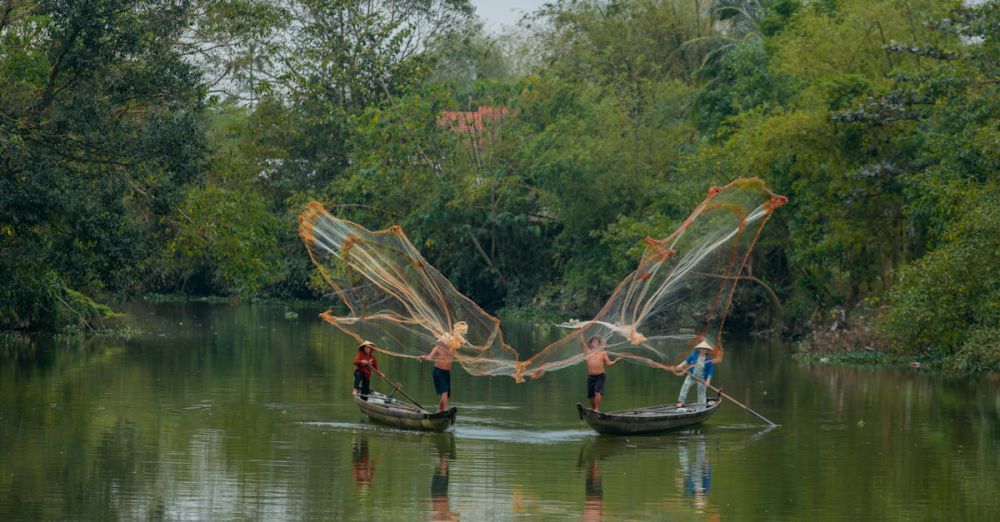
(596, 359)
(443, 354)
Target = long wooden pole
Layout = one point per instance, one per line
(396, 386)
(738, 403)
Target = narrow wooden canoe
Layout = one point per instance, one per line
(387, 410)
(650, 419)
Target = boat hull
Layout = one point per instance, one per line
(653, 419)
(391, 412)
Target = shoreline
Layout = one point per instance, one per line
(866, 358)
(839, 352)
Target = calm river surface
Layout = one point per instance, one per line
(220, 413)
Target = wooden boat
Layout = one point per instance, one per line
(393, 412)
(650, 419)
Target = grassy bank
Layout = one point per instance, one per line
(873, 358)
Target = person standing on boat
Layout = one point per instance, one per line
(443, 354)
(363, 364)
(698, 364)
(596, 358)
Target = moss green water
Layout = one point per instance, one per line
(217, 412)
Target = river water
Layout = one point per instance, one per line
(217, 413)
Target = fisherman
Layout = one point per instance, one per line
(596, 358)
(698, 365)
(443, 354)
(363, 364)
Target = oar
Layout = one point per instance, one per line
(396, 386)
(738, 403)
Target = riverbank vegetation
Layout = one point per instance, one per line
(164, 146)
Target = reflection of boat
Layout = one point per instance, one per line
(603, 448)
(650, 419)
(387, 410)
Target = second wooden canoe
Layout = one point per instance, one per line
(651, 419)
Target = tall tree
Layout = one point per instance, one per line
(99, 129)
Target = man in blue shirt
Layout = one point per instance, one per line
(698, 364)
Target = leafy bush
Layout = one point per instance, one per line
(979, 353)
(949, 300)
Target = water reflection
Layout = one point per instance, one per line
(440, 502)
(593, 492)
(236, 420)
(695, 473)
(692, 479)
(362, 465)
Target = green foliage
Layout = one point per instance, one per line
(170, 146)
(78, 311)
(473, 216)
(99, 130)
(948, 301)
(979, 353)
(228, 234)
(595, 159)
(870, 358)
(466, 58)
(238, 44)
(741, 82)
(826, 39)
(952, 294)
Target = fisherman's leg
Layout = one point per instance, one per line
(443, 405)
(702, 395)
(366, 388)
(685, 388)
(599, 391)
(357, 381)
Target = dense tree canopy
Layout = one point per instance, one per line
(167, 146)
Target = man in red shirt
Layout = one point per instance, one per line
(363, 363)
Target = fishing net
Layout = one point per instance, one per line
(679, 294)
(396, 299)
(682, 289)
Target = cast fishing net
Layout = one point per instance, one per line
(679, 294)
(396, 299)
(682, 289)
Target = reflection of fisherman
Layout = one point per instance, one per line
(593, 499)
(362, 466)
(697, 474)
(440, 503)
(698, 364)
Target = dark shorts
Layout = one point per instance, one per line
(362, 384)
(442, 381)
(595, 385)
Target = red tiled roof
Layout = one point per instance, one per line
(464, 122)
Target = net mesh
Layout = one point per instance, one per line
(396, 299)
(679, 294)
(682, 289)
